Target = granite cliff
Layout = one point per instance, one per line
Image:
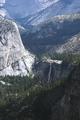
(14, 59)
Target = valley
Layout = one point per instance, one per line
(39, 60)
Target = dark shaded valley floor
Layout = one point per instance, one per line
(36, 101)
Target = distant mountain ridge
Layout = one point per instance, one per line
(61, 7)
(54, 34)
(39, 9)
(27, 7)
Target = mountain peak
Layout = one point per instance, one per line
(18, 60)
(16, 8)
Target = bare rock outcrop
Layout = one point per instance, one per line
(14, 59)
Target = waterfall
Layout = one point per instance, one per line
(49, 74)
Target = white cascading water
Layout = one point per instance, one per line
(49, 74)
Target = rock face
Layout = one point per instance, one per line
(60, 103)
(63, 103)
(49, 70)
(72, 45)
(14, 59)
